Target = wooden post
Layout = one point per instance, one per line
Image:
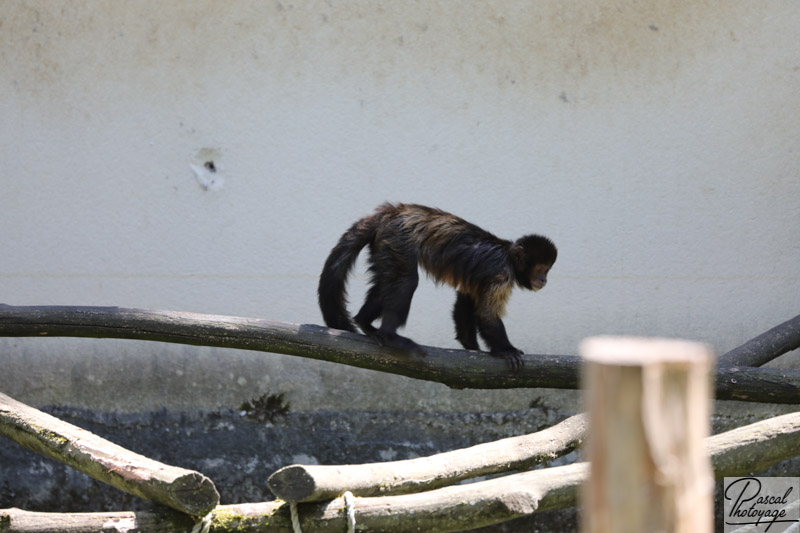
(649, 412)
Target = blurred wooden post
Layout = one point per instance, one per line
(649, 411)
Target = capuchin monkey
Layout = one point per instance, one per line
(481, 267)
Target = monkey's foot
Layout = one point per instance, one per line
(407, 345)
(468, 343)
(397, 342)
(367, 328)
(513, 357)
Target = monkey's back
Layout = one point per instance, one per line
(449, 248)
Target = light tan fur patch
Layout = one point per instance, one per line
(495, 299)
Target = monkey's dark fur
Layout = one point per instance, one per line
(481, 267)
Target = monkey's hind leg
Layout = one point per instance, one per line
(369, 311)
(465, 321)
(386, 334)
(396, 295)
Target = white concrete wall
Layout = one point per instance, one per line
(657, 143)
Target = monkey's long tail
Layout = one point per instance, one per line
(332, 289)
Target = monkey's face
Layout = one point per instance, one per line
(533, 256)
(538, 276)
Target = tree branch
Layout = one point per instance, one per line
(457, 369)
(304, 483)
(755, 447)
(167, 521)
(766, 347)
(185, 490)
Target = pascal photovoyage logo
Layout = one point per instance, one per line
(761, 504)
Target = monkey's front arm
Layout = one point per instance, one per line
(493, 332)
(469, 321)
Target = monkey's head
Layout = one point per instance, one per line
(533, 257)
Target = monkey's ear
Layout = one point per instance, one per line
(518, 256)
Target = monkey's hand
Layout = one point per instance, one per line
(513, 357)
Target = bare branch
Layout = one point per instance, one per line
(755, 447)
(178, 488)
(766, 347)
(457, 369)
(304, 483)
(19, 521)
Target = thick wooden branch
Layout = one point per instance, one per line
(748, 384)
(455, 368)
(178, 488)
(755, 447)
(19, 521)
(456, 508)
(304, 483)
(766, 347)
